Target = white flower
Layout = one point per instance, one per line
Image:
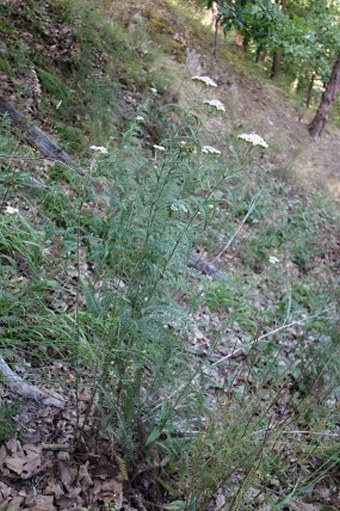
(206, 80)
(139, 118)
(208, 149)
(173, 207)
(9, 210)
(254, 139)
(153, 90)
(273, 260)
(158, 147)
(99, 149)
(216, 103)
(183, 143)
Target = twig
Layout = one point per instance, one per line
(268, 334)
(202, 265)
(56, 447)
(19, 386)
(235, 354)
(36, 137)
(252, 206)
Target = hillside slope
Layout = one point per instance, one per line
(53, 62)
(175, 303)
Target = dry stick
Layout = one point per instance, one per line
(19, 386)
(252, 206)
(202, 265)
(36, 137)
(272, 332)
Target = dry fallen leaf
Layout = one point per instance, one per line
(12, 444)
(43, 503)
(54, 488)
(68, 474)
(16, 463)
(2, 454)
(14, 504)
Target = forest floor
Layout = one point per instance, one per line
(39, 468)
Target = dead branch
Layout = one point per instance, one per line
(36, 137)
(202, 265)
(19, 386)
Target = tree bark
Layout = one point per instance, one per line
(310, 90)
(217, 25)
(276, 65)
(327, 102)
(278, 54)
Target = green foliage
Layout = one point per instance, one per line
(7, 412)
(53, 85)
(229, 297)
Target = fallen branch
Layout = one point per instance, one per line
(252, 206)
(35, 136)
(202, 265)
(19, 386)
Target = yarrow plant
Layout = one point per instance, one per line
(215, 103)
(205, 79)
(274, 260)
(253, 139)
(99, 149)
(9, 210)
(208, 149)
(158, 147)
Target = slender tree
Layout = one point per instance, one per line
(276, 65)
(327, 102)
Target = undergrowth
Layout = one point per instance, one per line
(94, 275)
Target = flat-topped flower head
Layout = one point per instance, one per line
(205, 79)
(274, 260)
(139, 118)
(254, 139)
(158, 147)
(208, 149)
(215, 103)
(9, 210)
(98, 149)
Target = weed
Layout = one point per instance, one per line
(94, 273)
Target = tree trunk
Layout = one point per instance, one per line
(310, 90)
(217, 24)
(327, 102)
(276, 65)
(277, 54)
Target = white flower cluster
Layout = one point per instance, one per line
(274, 260)
(181, 207)
(158, 147)
(139, 118)
(206, 80)
(215, 103)
(9, 210)
(208, 149)
(254, 139)
(99, 149)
